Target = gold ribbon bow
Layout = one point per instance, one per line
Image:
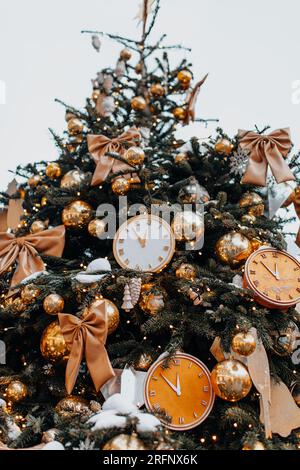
(25, 249)
(294, 198)
(99, 145)
(266, 150)
(87, 337)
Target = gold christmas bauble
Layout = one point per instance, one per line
(184, 76)
(181, 158)
(113, 315)
(53, 170)
(16, 391)
(138, 103)
(295, 391)
(120, 186)
(256, 243)
(138, 68)
(186, 271)
(157, 90)
(75, 126)
(285, 341)
(135, 156)
(50, 435)
(233, 248)
(188, 226)
(125, 54)
(53, 304)
(73, 179)
(243, 344)
(19, 305)
(179, 113)
(72, 406)
(97, 227)
(193, 193)
(248, 219)
(38, 226)
(95, 95)
(253, 202)
(29, 293)
(53, 345)
(74, 142)
(224, 146)
(231, 380)
(69, 115)
(144, 362)
(256, 445)
(77, 214)
(34, 180)
(152, 300)
(124, 442)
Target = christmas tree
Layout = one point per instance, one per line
(178, 331)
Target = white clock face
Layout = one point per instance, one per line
(144, 243)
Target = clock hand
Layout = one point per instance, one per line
(270, 271)
(277, 272)
(140, 239)
(178, 386)
(175, 389)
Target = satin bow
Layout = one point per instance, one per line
(266, 150)
(99, 145)
(294, 198)
(86, 337)
(26, 250)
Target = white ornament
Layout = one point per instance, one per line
(119, 404)
(54, 445)
(107, 420)
(120, 68)
(96, 43)
(147, 422)
(34, 276)
(89, 275)
(237, 281)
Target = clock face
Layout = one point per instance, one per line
(183, 391)
(144, 243)
(274, 276)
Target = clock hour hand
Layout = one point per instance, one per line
(140, 239)
(277, 272)
(175, 389)
(270, 270)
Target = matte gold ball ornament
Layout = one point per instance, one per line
(135, 156)
(72, 179)
(253, 202)
(231, 380)
(75, 126)
(184, 77)
(53, 304)
(72, 406)
(77, 214)
(38, 226)
(53, 345)
(29, 293)
(233, 248)
(97, 227)
(188, 226)
(124, 442)
(179, 113)
(224, 146)
(125, 54)
(186, 271)
(53, 170)
(120, 186)
(243, 344)
(16, 391)
(157, 90)
(138, 103)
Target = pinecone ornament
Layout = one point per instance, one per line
(135, 286)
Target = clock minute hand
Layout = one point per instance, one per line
(270, 270)
(277, 272)
(140, 239)
(175, 389)
(178, 385)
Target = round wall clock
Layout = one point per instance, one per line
(183, 391)
(274, 278)
(144, 243)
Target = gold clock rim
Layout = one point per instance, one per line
(271, 302)
(172, 240)
(212, 397)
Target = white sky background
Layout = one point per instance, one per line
(250, 48)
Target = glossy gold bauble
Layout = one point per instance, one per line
(295, 391)
(77, 214)
(19, 305)
(95, 95)
(243, 344)
(138, 103)
(125, 54)
(184, 77)
(285, 341)
(151, 300)
(29, 293)
(253, 202)
(231, 380)
(73, 179)
(37, 226)
(124, 442)
(179, 113)
(248, 219)
(97, 227)
(188, 226)
(50, 435)
(69, 115)
(181, 158)
(120, 186)
(224, 146)
(53, 304)
(256, 445)
(53, 346)
(193, 193)
(233, 248)
(157, 90)
(113, 315)
(256, 243)
(186, 271)
(34, 181)
(72, 406)
(53, 170)
(75, 126)
(135, 156)
(144, 362)
(16, 391)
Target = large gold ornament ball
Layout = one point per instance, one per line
(188, 226)
(75, 126)
(113, 314)
(223, 146)
(120, 186)
(295, 391)
(16, 391)
(53, 345)
(72, 406)
(53, 304)
(135, 156)
(144, 362)
(73, 179)
(34, 180)
(138, 103)
(184, 77)
(193, 193)
(97, 227)
(243, 344)
(186, 271)
(231, 380)
(157, 90)
(125, 54)
(256, 243)
(233, 248)
(256, 445)
(253, 202)
(50, 435)
(152, 301)
(53, 170)
(285, 341)
(179, 113)
(77, 214)
(37, 226)
(29, 293)
(124, 442)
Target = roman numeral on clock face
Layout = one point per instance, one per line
(152, 393)
(181, 420)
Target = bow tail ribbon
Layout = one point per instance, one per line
(294, 198)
